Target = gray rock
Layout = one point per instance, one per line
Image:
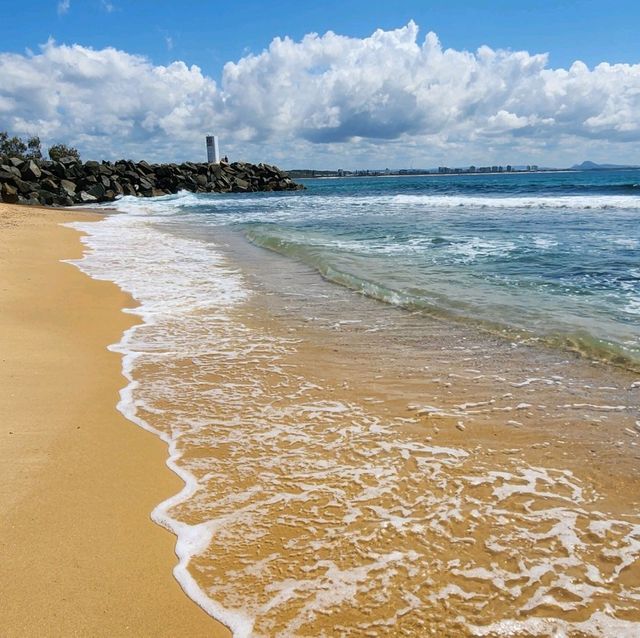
(12, 170)
(49, 185)
(25, 187)
(68, 180)
(240, 184)
(30, 171)
(46, 197)
(144, 167)
(9, 194)
(32, 200)
(97, 190)
(145, 185)
(91, 167)
(89, 180)
(68, 161)
(85, 198)
(67, 187)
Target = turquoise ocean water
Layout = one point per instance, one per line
(550, 256)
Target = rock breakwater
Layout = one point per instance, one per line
(68, 182)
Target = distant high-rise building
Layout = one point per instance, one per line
(213, 153)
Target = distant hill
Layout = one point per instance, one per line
(592, 166)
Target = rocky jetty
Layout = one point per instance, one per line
(68, 182)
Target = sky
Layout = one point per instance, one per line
(348, 84)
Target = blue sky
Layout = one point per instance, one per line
(210, 33)
(353, 112)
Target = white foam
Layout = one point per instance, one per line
(158, 270)
(572, 202)
(598, 624)
(341, 480)
(598, 408)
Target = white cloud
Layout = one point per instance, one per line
(63, 6)
(109, 7)
(388, 99)
(107, 102)
(334, 89)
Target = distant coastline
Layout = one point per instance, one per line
(308, 173)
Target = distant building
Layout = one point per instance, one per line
(213, 153)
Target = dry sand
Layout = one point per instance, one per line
(80, 555)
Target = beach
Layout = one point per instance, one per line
(81, 556)
(320, 321)
(415, 412)
(390, 408)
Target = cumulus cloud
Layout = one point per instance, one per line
(334, 89)
(325, 96)
(105, 101)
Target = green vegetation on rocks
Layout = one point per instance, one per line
(58, 151)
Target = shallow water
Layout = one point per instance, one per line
(556, 256)
(356, 469)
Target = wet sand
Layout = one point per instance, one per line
(363, 468)
(374, 472)
(80, 555)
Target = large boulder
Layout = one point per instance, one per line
(9, 194)
(12, 170)
(69, 160)
(92, 167)
(24, 187)
(30, 171)
(67, 187)
(144, 168)
(240, 185)
(98, 191)
(46, 197)
(85, 198)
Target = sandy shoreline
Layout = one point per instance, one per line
(81, 556)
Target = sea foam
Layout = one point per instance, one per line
(303, 509)
(158, 270)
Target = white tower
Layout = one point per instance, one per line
(213, 154)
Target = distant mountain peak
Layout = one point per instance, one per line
(592, 166)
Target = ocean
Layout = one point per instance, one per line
(400, 405)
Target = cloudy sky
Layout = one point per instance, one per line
(327, 85)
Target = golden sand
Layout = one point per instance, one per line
(80, 555)
(369, 486)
